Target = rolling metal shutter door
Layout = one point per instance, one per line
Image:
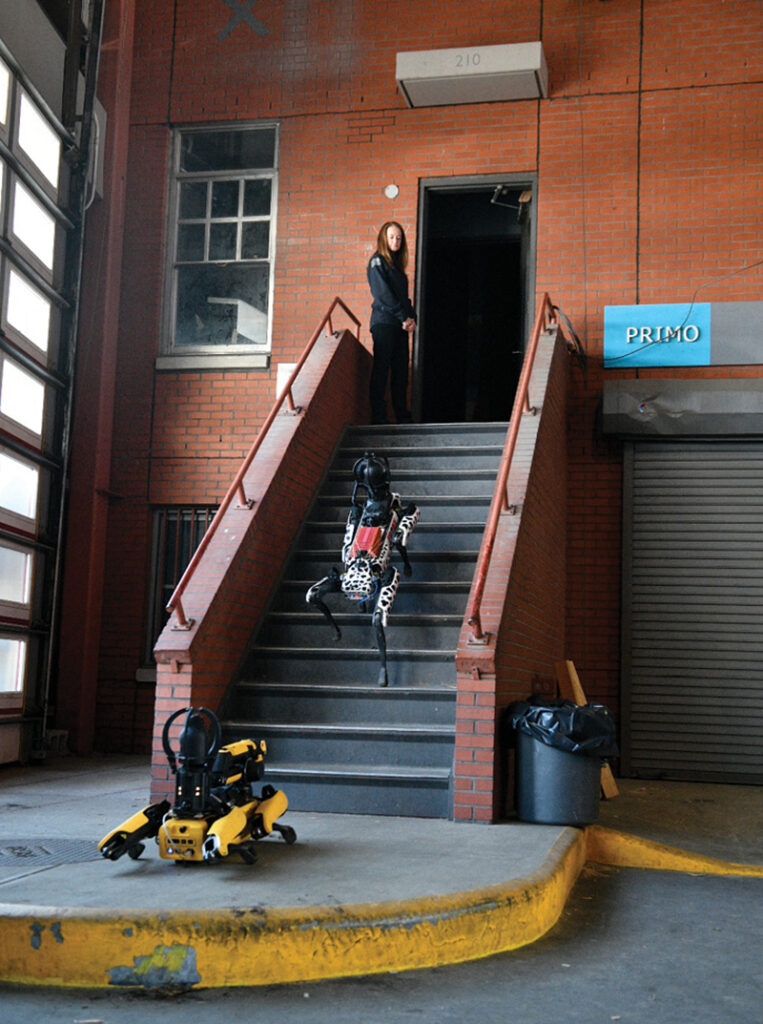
(693, 611)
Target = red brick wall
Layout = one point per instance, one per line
(524, 597)
(230, 589)
(647, 156)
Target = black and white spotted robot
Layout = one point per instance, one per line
(374, 527)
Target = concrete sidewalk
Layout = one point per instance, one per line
(356, 894)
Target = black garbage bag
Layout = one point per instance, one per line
(578, 729)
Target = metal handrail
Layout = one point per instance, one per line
(546, 316)
(237, 486)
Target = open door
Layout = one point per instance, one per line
(473, 265)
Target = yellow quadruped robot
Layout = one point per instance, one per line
(215, 812)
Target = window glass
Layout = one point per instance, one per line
(257, 197)
(228, 150)
(12, 663)
(5, 88)
(222, 305)
(33, 225)
(255, 237)
(193, 199)
(28, 311)
(225, 198)
(15, 575)
(222, 241)
(22, 397)
(38, 140)
(191, 240)
(18, 486)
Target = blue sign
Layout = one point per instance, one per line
(675, 334)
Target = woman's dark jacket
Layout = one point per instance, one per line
(389, 290)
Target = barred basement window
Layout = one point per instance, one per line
(177, 534)
(224, 202)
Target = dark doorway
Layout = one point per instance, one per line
(472, 298)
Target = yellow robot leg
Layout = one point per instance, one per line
(272, 805)
(232, 828)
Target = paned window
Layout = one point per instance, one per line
(33, 229)
(223, 240)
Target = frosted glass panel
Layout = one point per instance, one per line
(38, 140)
(21, 397)
(15, 573)
(5, 84)
(28, 311)
(12, 662)
(33, 225)
(18, 486)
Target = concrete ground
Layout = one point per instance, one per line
(630, 945)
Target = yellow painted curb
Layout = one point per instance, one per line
(619, 849)
(213, 949)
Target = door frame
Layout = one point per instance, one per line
(461, 183)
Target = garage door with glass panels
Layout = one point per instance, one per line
(693, 611)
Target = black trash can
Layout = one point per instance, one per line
(559, 751)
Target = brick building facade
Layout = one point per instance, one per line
(644, 163)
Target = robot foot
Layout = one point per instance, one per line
(287, 832)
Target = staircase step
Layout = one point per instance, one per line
(364, 789)
(305, 702)
(428, 566)
(337, 664)
(303, 629)
(426, 536)
(413, 597)
(445, 434)
(414, 745)
(418, 458)
(429, 481)
(435, 508)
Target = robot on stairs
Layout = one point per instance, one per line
(375, 525)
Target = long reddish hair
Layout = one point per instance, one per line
(397, 259)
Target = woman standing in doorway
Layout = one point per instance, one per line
(392, 321)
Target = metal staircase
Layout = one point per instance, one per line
(336, 741)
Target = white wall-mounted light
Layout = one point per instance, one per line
(391, 191)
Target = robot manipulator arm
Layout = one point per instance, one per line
(126, 838)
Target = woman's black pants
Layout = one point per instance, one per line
(390, 361)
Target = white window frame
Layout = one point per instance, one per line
(216, 356)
